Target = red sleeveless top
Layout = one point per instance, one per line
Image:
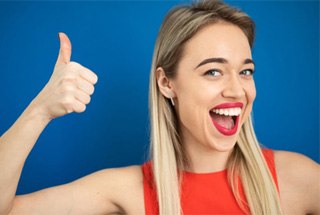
(207, 193)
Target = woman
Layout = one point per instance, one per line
(201, 96)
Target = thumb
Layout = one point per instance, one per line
(65, 49)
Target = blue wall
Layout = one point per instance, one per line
(115, 40)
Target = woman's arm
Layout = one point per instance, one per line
(15, 145)
(111, 191)
(68, 90)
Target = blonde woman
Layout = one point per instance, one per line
(205, 158)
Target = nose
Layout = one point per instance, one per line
(233, 88)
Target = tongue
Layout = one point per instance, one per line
(224, 121)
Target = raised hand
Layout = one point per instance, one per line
(69, 88)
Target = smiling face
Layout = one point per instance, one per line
(213, 87)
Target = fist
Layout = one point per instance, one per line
(69, 88)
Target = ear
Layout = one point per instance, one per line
(165, 84)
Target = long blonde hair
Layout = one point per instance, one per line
(167, 152)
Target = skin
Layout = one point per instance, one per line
(69, 90)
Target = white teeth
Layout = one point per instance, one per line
(228, 111)
(232, 112)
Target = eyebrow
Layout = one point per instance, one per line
(222, 60)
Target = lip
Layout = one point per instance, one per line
(229, 105)
(224, 130)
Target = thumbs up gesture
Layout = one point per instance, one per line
(69, 88)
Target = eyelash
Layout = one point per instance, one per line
(250, 70)
(209, 72)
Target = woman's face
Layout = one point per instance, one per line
(214, 87)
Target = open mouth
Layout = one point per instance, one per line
(226, 119)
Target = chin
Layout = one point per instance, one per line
(226, 147)
(223, 144)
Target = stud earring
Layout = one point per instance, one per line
(172, 102)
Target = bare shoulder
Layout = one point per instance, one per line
(295, 163)
(296, 167)
(299, 182)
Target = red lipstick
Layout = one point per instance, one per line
(229, 105)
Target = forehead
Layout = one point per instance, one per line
(220, 39)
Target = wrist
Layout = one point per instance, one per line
(35, 113)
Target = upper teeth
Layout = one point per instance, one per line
(228, 111)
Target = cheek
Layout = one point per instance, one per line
(250, 91)
(193, 101)
(250, 96)
(196, 100)
(254, 93)
(188, 92)
(190, 100)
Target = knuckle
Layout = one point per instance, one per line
(67, 89)
(67, 86)
(67, 102)
(68, 79)
(68, 108)
(73, 68)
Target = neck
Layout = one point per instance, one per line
(203, 159)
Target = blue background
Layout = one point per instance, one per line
(115, 40)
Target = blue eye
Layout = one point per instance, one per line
(213, 73)
(247, 72)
